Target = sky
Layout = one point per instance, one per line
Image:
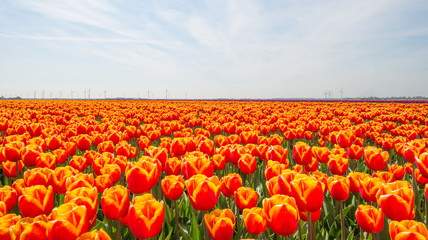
(205, 49)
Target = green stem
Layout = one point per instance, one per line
(118, 229)
(207, 236)
(300, 231)
(177, 230)
(309, 227)
(342, 221)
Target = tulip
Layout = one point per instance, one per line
(375, 159)
(12, 151)
(245, 198)
(354, 180)
(321, 154)
(94, 235)
(219, 161)
(142, 177)
(70, 148)
(6, 222)
(115, 202)
(408, 230)
(9, 168)
(106, 146)
(79, 163)
(172, 186)
(369, 188)
(254, 220)
(398, 205)
(273, 169)
(339, 187)
(84, 142)
(79, 180)
(38, 176)
(355, 152)
(36, 200)
(203, 192)
(302, 153)
(338, 164)
(46, 160)
(61, 155)
(422, 163)
(230, 183)
(277, 153)
(53, 142)
(146, 216)
(315, 216)
(397, 170)
(387, 177)
(113, 170)
(103, 182)
(87, 197)
(308, 193)
(59, 176)
(30, 228)
(369, 218)
(8, 196)
(69, 221)
(30, 153)
(196, 165)
(282, 214)
(220, 224)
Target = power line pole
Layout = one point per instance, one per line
(71, 94)
(34, 94)
(166, 93)
(89, 93)
(43, 94)
(105, 93)
(148, 94)
(84, 96)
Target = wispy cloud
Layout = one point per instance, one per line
(284, 48)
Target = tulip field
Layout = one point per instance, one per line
(139, 169)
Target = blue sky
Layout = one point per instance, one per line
(211, 49)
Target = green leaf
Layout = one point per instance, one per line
(183, 230)
(194, 229)
(169, 235)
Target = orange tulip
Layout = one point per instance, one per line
(61, 156)
(113, 170)
(302, 153)
(30, 153)
(103, 182)
(46, 160)
(315, 216)
(172, 186)
(247, 164)
(115, 202)
(9, 168)
(59, 176)
(272, 186)
(355, 152)
(375, 159)
(12, 151)
(277, 153)
(196, 165)
(220, 224)
(369, 187)
(30, 228)
(36, 200)
(245, 197)
(6, 222)
(84, 142)
(146, 216)
(369, 218)
(321, 154)
(308, 193)
(249, 137)
(79, 163)
(79, 180)
(282, 214)
(203, 192)
(339, 187)
(38, 176)
(106, 146)
(173, 166)
(338, 164)
(94, 235)
(398, 204)
(273, 169)
(219, 161)
(87, 197)
(254, 220)
(422, 163)
(53, 142)
(397, 170)
(69, 221)
(408, 230)
(354, 180)
(142, 177)
(230, 183)
(8, 196)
